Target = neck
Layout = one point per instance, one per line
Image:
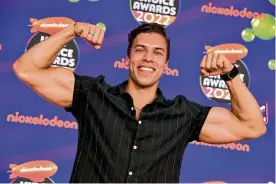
(141, 96)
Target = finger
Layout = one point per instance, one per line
(217, 72)
(85, 31)
(203, 72)
(208, 62)
(203, 62)
(91, 33)
(97, 34)
(214, 62)
(227, 64)
(220, 61)
(100, 40)
(78, 28)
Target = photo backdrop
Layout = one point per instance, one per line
(38, 137)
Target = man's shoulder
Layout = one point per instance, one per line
(179, 100)
(183, 102)
(87, 78)
(101, 83)
(87, 82)
(176, 99)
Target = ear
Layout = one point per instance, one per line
(167, 64)
(127, 60)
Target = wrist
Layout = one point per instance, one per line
(228, 76)
(72, 29)
(65, 35)
(77, 31)
(69, 31)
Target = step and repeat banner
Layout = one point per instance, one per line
(40, 139)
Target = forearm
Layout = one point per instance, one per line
(244, 105)
(42, 55)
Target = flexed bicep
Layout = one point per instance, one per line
(54, 84)
(222, 126)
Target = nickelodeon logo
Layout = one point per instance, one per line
(50, 25)
(231, 146)
(55, 122)
(231, 12)
(123, 64)
(36, 171)
(232, 51)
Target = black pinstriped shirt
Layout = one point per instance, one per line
(115, 147)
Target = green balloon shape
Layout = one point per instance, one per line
(272, 2)
(248, 35)
(272, 64)
(101, 25)
(264, 27)
(74, 1)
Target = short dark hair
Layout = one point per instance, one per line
(148, 28)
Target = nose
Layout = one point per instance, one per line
(148, 56)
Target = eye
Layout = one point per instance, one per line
(159, 53)
(139, 50)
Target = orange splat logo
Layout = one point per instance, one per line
(50, 25)
(37, 171)
(232, 51)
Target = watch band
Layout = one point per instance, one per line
(230, 75)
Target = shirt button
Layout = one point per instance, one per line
(140, 122)
(130, 173)
(134, 147)
(132, 108)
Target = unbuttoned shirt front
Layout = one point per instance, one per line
(115, 147)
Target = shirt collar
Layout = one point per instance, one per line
(120, 89)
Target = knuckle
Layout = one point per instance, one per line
(98, 41)
(92, 26)
(95, 40)
(101, 38)
(86, 25)
(89, 38)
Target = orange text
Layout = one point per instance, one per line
(231, 11)
(41, 120)
(231, 146)
(124, 65)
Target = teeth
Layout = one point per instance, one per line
(147, 69)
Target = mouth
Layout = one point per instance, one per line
(146, 69)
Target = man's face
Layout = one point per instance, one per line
(147, 60)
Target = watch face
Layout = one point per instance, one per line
(215, 88)
(230, 75)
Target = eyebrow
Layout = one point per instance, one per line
(144, 46)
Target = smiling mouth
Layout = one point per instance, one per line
(147, 69)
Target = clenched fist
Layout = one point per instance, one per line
(93, 34)
(215, 64)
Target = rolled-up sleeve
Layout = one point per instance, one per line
(199, 114)
(82, 85)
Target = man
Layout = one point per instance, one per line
(131, 132)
